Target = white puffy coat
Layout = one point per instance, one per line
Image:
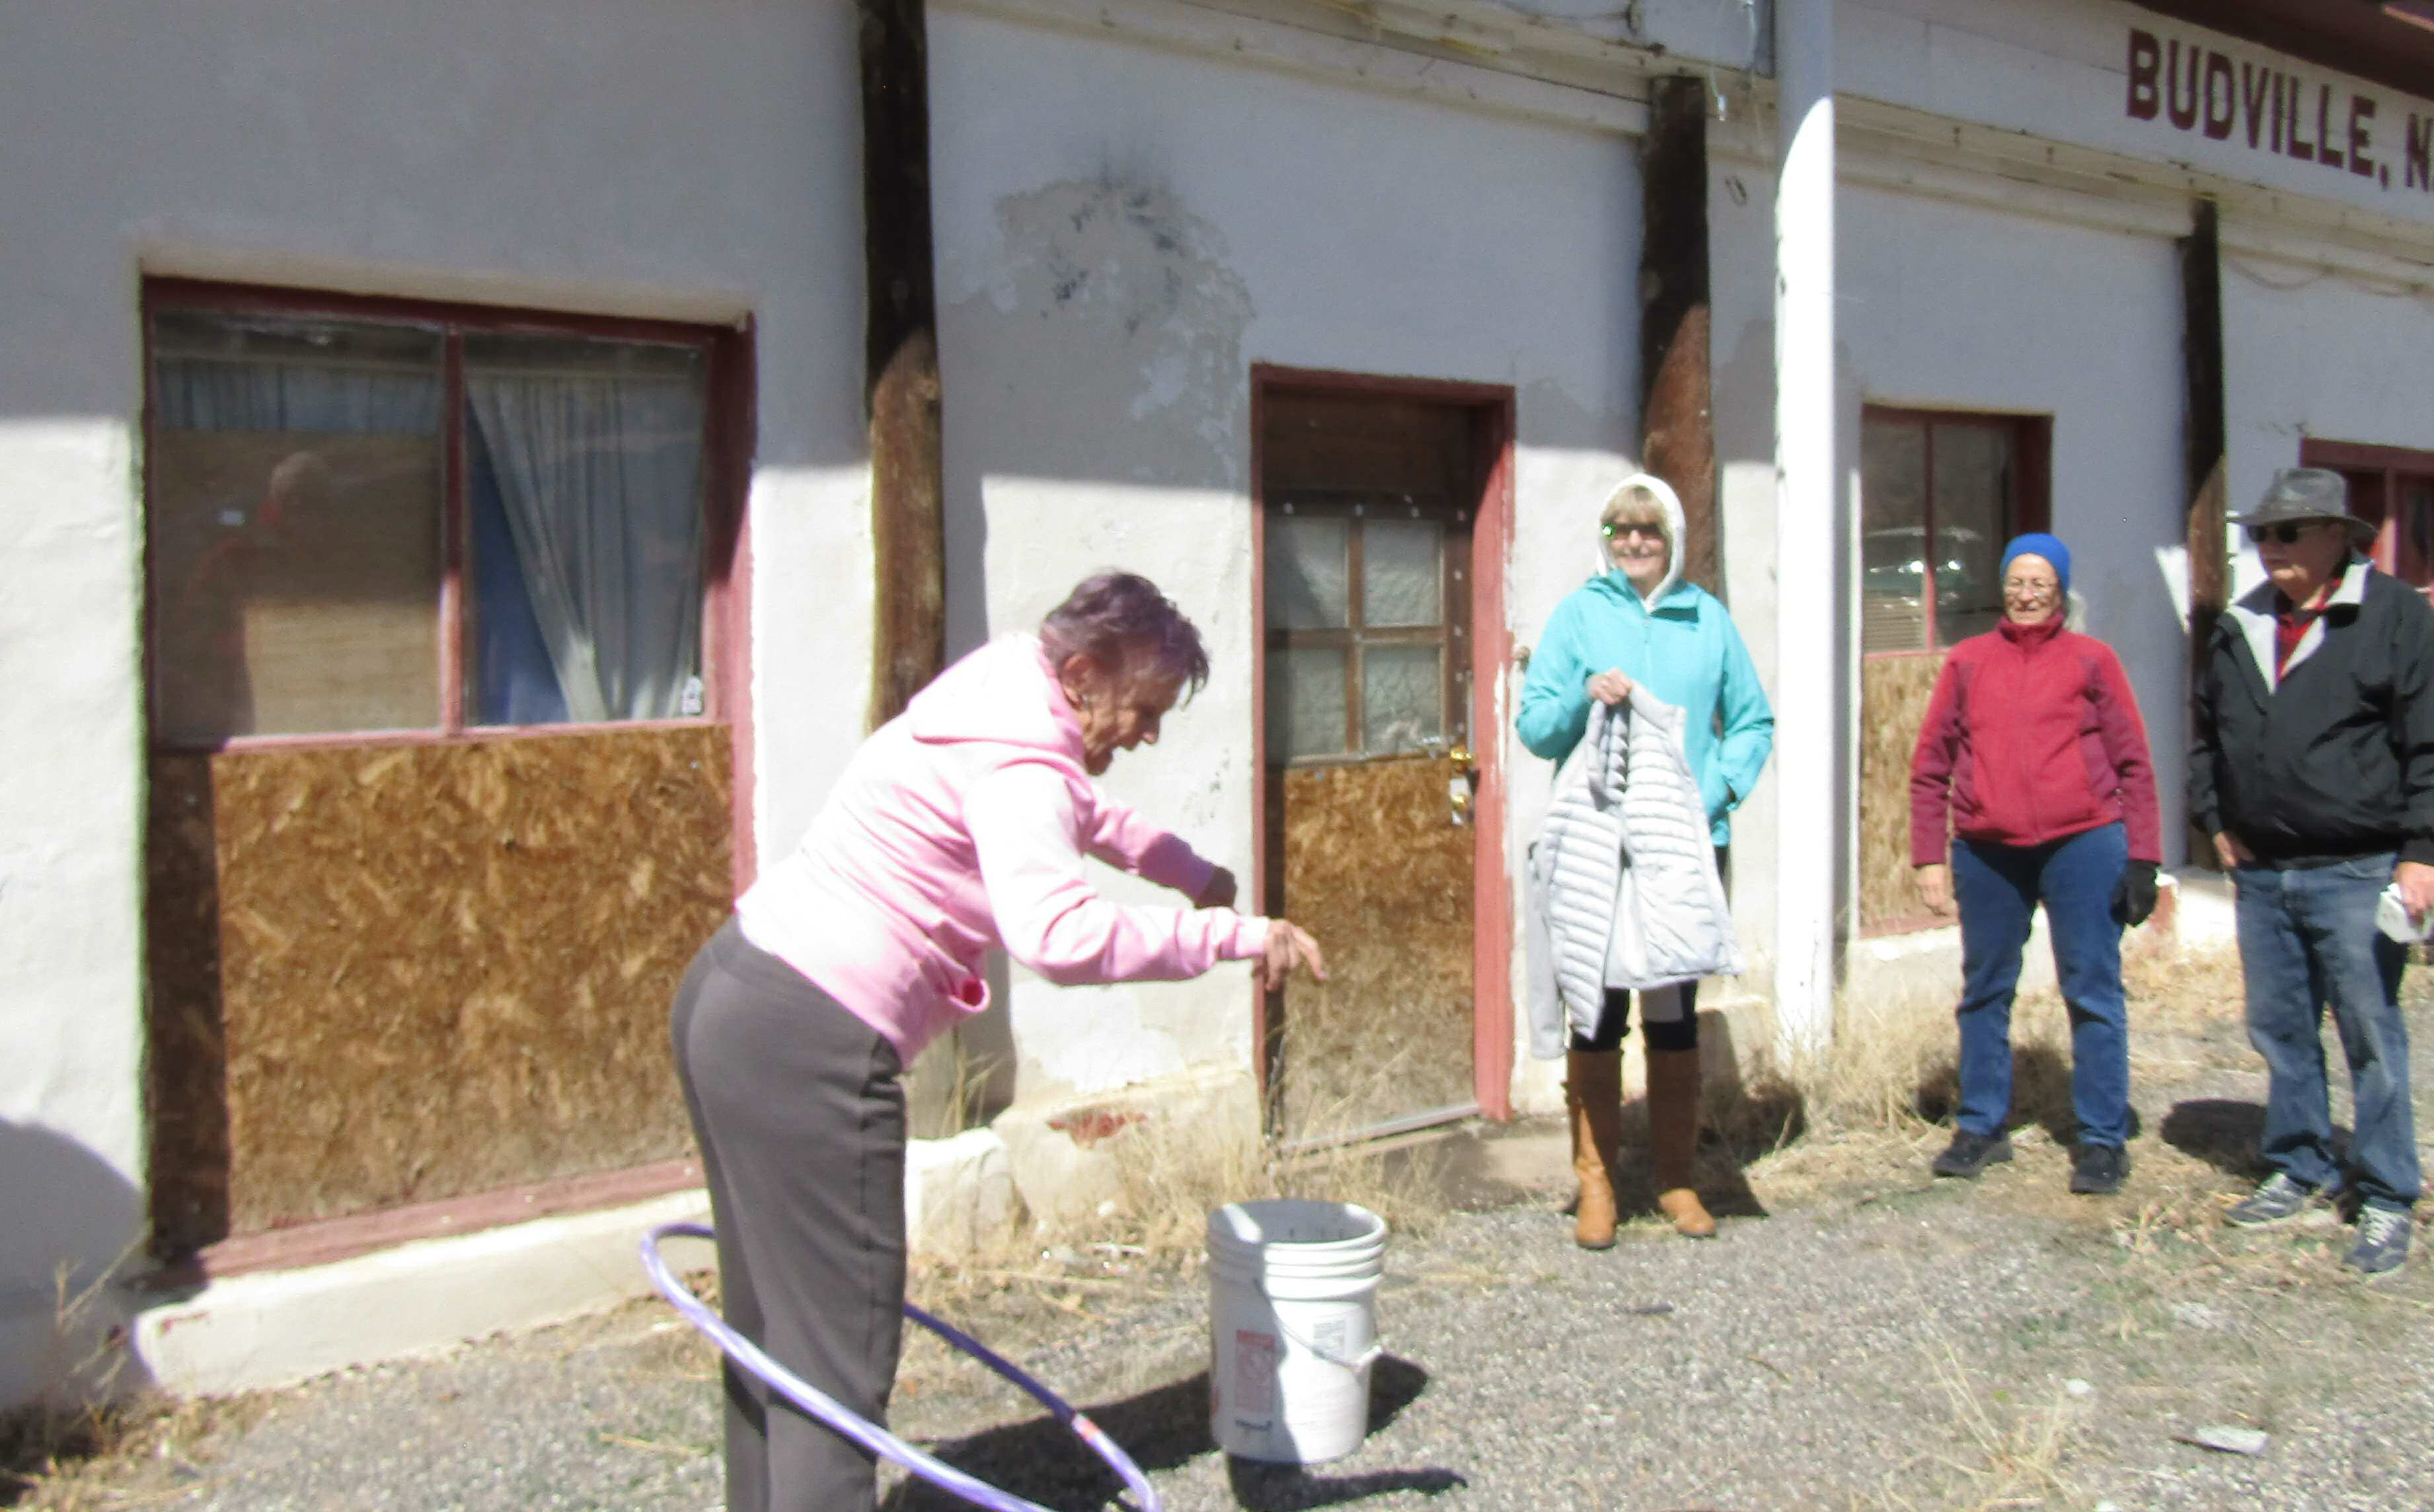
(1622, 881)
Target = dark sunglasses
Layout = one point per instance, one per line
(1635, 527)
(2286, 534)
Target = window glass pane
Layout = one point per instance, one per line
(293, 484)
(1892, 535)
(584, 475)
(1972, 514)
(1402, 582)
(2414, 540)
(1306, 707)
(1403, 698)
(1306, 579)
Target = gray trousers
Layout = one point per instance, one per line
(801, 1116)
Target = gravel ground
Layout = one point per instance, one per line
(1878, 1340)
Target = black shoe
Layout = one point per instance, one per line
(1969, 1153)
(2096, 1170)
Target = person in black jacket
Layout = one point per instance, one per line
(2313, 768)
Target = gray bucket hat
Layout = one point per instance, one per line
(2297, 495)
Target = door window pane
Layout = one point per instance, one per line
(1305, 704)
(1402, 583)
(295, 478)
(1403, 698)
(1971, 465)
(1892, 539)
(584, 466)
(1308, 579)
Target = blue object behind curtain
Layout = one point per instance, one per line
(513, 682)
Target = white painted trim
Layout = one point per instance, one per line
(276, 1328)
(1462, 66)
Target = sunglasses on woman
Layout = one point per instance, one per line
(2287, 534)
(1633, 527)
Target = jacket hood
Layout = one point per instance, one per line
(1005, 693)
(1662, 491)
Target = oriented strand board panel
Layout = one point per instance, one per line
(446, 969)
(1375, 870)
(1894, 692)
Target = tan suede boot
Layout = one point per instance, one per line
(1673, 1139)
(1593, 1094)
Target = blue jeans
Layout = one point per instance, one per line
(2308, 939)
(1998, 887)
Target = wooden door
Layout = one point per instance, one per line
(1369, 505)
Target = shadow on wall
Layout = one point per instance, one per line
(72, 1222)
(1163, 1429)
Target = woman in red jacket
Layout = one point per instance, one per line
(2033, 762)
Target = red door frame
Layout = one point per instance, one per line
(1491, 408)
(2389, 463)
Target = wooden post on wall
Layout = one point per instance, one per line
(2205, 446)
(901, 358)
(1675, 408)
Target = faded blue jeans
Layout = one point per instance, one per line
(2308, 940)
(1998, 888)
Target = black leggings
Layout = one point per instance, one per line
(1614, 1020)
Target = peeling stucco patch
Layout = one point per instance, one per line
(1134, 312)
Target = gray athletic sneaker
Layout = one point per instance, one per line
(2275, 1199)
(2382, 1241)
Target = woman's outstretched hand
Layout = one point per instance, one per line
(1288, 945)
(1219, 892)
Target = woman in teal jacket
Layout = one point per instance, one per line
(1636, 621)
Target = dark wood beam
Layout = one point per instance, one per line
(2204, 448)
(901, 357)
(1675, 406)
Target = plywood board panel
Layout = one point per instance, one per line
(1894, 692)
(1374, 870)
(446, 969)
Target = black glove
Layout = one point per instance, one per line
(2134, 896)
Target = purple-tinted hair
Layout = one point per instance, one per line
(1121, 621)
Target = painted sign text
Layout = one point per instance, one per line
(2271, 110)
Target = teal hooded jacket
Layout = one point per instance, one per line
(1682, 646)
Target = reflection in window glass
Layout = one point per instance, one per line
(1307, 712)
(584, 467)
(1402, 581)
(1892, 538)
(1972, 511)
(295, 490)
(1308, 579)
(1403, 698)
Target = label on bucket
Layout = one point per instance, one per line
(1254, 1372)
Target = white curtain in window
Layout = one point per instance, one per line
(601, 478)
(222, 394)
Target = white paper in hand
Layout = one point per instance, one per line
(2391, 917)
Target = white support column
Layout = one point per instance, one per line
(1808, 645)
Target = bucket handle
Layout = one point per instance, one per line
(1367, 1357)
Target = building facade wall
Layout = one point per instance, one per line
(1122, 232)
(694, 163)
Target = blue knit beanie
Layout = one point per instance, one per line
(2037, 544)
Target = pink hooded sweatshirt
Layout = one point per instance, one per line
(961, 824)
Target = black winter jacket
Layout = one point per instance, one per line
(2335, 758)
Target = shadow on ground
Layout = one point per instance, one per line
(1039, 1460)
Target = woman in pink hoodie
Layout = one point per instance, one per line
(961, 825)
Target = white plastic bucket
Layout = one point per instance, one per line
(1293, 1320)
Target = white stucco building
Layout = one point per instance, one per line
(1269, 299)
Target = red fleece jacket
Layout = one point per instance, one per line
(2033, 735)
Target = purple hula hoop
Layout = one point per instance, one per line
(870, 1436)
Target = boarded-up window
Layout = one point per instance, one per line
(1940, 494)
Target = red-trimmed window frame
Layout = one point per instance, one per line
(2390, 466)
(726, 456)
(2031, 497)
